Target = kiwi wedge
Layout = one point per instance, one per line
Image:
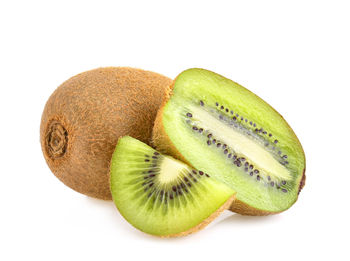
(160, 195)
(218, 126)
(85, 116)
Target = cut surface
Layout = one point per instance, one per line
(160, 195)
(224, 129)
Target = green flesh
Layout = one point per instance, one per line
(262, 138)
(178, 199)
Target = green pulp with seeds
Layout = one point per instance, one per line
(159, 194)
(227, 131)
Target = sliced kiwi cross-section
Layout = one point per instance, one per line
(161, 195)
(218, 126)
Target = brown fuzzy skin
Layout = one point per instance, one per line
(162, 143)
(206, 222)
(85, 116)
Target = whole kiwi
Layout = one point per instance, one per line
(85, 116)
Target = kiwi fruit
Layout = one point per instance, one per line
(218, 126)
(160, 195)
(85, 116)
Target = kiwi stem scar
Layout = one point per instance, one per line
(241, 144)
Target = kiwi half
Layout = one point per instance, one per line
(162, 196)
(86, 115)
(218, 126)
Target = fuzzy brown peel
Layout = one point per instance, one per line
(85, 116)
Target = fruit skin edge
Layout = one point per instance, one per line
(162, 142)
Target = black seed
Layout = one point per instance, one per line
(156, 153)
(194, 180)
(209, 135)
(216, 104)
(174, 188)
(268, 178)
(194, 172)
(201, 172)
(218, 145)
(284, 182)
(226, 110)
(250, 123)
(200, 130)
(154, 157)
(275, 141)
(151, 176)
(188, 114)
(214, 140)
(286, 162)
(225, 151)
(180, 193)
(229, 155)
(207, 175)
(208, 142)
(256, 130)
(235, 157)
(242, 159)
(147, 156)
(185, 179)
(256, 171)
(285, 156)
(251, 167)
(237, 114)
(150, 185)
(258, 177)
(146, 160)
(239, 163)
(246, 169)
(171, 196)
(246, 164)
(222, 107)
(277, 186)
(190, 175)
(182, 185)
(251, 173)
(194, 128)
(224, 146)
(234, 118)
(189, 184)
(270, 135)
(254, 125)
(242, 118)
(246, 120)
(201, 103)
(264, 132)
(284, 190)
(232, 112)
(161, 192)
(272, 183)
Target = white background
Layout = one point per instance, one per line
(294, 54)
